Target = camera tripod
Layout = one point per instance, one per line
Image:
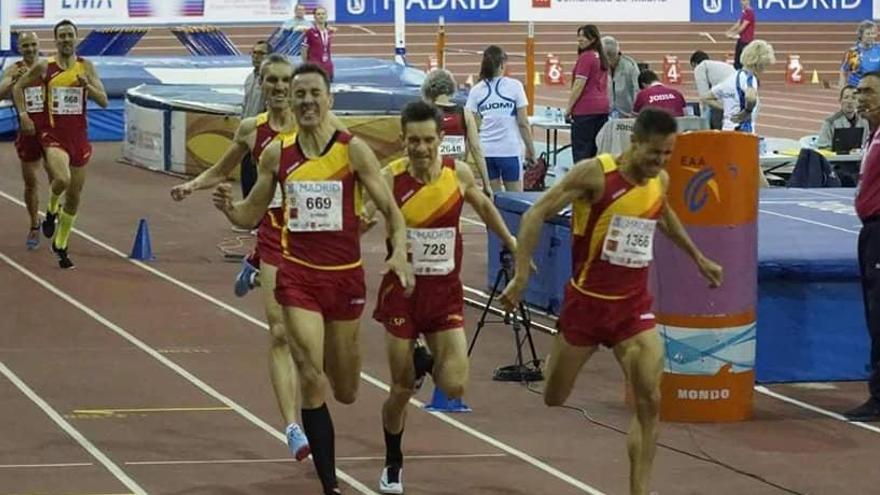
(519, 371)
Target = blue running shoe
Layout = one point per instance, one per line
(297, 442)
(246, 278)
(33, 239)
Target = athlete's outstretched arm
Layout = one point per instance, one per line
(671, 226)
(218, 172)
(585, 180)
(34, 74)
(483, 205)
(476, 149)
(93, 85)
(10, 75)
(248, 212)
(365, 164)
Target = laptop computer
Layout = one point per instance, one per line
(846, 139)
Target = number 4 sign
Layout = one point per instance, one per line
(671, 70)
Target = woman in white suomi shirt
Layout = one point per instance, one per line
(498, 103)
(737, 95)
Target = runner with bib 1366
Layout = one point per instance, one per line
(616, 204)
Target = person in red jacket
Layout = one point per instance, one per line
(317, 41)
(743, 31)
(655, 94)
(868, 209)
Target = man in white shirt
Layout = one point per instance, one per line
(708, 73)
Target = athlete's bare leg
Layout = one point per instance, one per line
(641, 358)
(282, 370)
(562, 368)
(451, 365)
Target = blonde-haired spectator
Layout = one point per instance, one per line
(737, 95)
(460, 129)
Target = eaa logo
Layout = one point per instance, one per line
(712, 6)
(356, 7)
(695, 193)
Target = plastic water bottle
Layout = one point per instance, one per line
(559, 117)
(548, 114)
(762, 146)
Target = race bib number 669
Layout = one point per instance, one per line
(314, 206)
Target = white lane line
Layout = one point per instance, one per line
(471, 221)
(84, 442)
(41, 466)
(286, 460)
(815, 409)
(543, 466)
(807, 220)
(364, 376)
(198, 383)
(363, 29)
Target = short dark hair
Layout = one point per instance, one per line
(275, 58)
(310, 68)
(62, 23)
(843, 90)
(698, 57)
(654, 122)
(420, 111)
(647, 77)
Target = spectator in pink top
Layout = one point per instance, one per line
(317, 41)
(655, 94)
(588, 103)
(743, 31)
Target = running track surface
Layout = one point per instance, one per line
(123, 377)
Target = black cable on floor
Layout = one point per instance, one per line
(705, 457)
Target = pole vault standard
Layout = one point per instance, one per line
(5, 25)
(400, 31)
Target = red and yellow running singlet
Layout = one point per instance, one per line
(432, 212)
(613, 239)
(66, 98)
(322, 204)
(34, 99)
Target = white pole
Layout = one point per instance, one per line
(5, 24)
(400, 31)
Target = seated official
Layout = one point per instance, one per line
(653, 93)
(846, 118)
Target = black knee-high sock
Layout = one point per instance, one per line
(393, 453)
(318, 427)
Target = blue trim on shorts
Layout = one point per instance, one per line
(506, 167)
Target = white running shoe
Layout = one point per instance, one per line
(389, 484)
